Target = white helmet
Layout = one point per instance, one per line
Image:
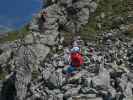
(75, 49)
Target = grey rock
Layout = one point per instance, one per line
(56, 79)
(5, 57)
(48, 39)
(48, 2)
(83, 16)
(61, 64)
(123, 82)
(40, 51)
(128, 90)
(72, 92)
(46, 74)
(93, 6)
(29, 39)
(64, 2)
(103, 79)
(60, 97)
(89, 91)
(23, 72)
(67, 87)
(8, 89)
(34, 23)
(130, 76)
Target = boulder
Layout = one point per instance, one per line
(46, 74)
(40, 51)
(102, 80)
(72, 92)
(56, 79)
(93, 6)
(5, 57)
(128, 90)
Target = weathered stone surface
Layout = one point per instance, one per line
(102, 80)
(5, 57)
(72, 92)
(56, 79)
(40, 51)
(23, 71)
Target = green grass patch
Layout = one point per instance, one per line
(14, 35)
(2, 75)
(35, 75)
(113, 10)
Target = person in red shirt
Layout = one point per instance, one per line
(76, 61)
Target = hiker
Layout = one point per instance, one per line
(76, 61)
(43, 15)
(42, 20)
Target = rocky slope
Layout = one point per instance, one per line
(33, 64)
(20, 59)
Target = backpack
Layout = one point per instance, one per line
(76, 59)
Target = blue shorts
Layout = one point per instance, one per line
(71, 69)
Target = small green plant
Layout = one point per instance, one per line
(2, 75)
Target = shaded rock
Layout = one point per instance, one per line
(128, 90)
(1, 85)
(102, 80)
(60, 97)
(46, 74)
(93, 6)
(72, 92)
(23, 71)
(56, 79)
(128, 98)
(5, 57)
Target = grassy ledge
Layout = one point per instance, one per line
(14, 35)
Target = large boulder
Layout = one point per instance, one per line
(1, 85)
(40, 51)
(8, 89)
(5, 57)
(22, 71)
(128, 90)
(56, 79)
(102, 80)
